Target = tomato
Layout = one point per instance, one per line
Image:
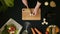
(13, 28)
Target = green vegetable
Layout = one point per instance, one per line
(4, 4)
(9, 3)
(5, 30)
(16, 31)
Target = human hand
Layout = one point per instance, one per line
(36, 9)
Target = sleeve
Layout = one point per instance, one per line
(32, 3)
(40, 1)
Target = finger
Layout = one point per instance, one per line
(33, 31)
(38, 3)
(37, 31)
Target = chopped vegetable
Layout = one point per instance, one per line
(10, 29)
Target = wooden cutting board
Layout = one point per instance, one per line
(26, 14)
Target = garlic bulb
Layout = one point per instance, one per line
(46, 3)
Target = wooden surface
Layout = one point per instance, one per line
(26, 14)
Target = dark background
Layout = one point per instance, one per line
(51, 14)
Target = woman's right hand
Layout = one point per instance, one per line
(36, 9)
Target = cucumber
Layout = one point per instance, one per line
(3, 7)
(9, 3)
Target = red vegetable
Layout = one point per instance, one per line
(13, 28)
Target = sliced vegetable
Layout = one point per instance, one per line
(10, 29)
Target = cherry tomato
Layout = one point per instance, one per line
(13, 28)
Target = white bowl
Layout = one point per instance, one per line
(12, 21)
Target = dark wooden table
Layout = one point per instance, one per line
(16, 13)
